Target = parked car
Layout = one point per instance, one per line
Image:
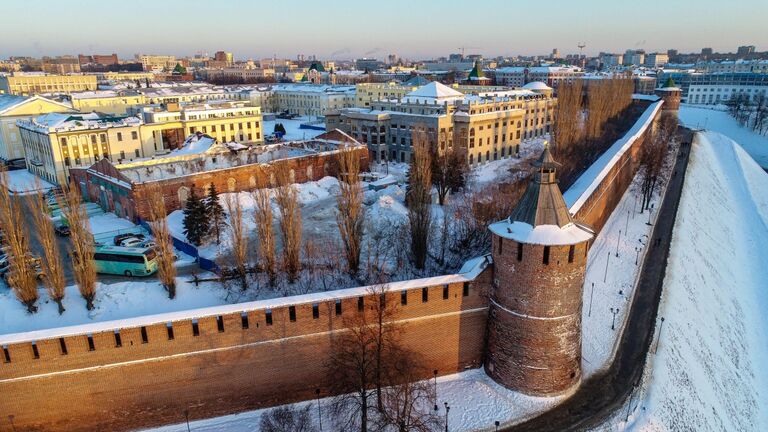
(62, 230)
(149, 244)
(131, 242)
(120, 237)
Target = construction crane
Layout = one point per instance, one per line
(465, 48)
(581, 46)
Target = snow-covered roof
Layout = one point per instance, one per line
(547, 235)
(536, 85)
(8, 101)
(60, 122)
(434, 91)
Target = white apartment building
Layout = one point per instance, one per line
(312, 100)
(550, 75)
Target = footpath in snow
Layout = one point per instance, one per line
(706, 369)
(699, 117)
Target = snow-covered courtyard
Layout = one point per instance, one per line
(293, 130)
(23, 182)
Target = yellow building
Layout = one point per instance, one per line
(165, 128)
(107, 101)
(13, 108)
(126, 76)
(365, 93)
(27, 84)
(54, 143)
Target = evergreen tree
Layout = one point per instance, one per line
(196, 224)
(215, 213)
(179, 69)
(279, 128)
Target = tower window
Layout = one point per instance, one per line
(118, 339)
(144, 337)
(360, 304)
(465, 289)
(169, 327)
(6, 354)
(315, 311)
(35, 352)
(338, 307)
(220, 323)
(292, 313)
(403, 298)
(546, 255)
(91, 346)
(424, 295)
(195, 328)
(519, 251)
(268, 316)
(63, 346)
(570, 253)
(244, 320)
(501, 245)
(445, 292)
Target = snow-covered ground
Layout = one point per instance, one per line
(24, 182)
(698, 117)
(293, 131)
(706, 369)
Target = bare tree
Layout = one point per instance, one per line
(408, 399)
(419, 199)
(287, 198)
(80, 235)
(238, 239)
(166, 269)
(567, 128)
(449, 169)
(21, 274)
(287, 419)
(652, 156)
(351, 213)
(262, 216)
(52, 264)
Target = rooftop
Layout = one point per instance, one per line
(63, 122)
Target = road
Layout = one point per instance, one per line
(604, 393)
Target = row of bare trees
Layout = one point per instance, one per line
(652, 155)
(750, 113)
(606, 98)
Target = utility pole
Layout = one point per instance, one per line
(614, 312)
(447, 408)
(435, 373)
(186, 416)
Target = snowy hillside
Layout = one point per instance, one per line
(699, 117)
(708, 372)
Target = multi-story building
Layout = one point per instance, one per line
(552, 76)
(716, 88)
(98, 59)
(367, 64)
(654, 60)
(14, 108)
(55, 142)
(156, 62)
(60, 65)
(312, 99)
(165, 127)
(224, 57)
(243, 74)
(611, 60)
(126, 76)
(365, 93)
(107, 101)
(30, 83)
(634, 57)
(486, 126)
(733, 66)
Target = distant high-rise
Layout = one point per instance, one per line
(706, 52)
(222, 56)
(555, 53)
(745, 50)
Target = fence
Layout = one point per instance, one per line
(182, 246)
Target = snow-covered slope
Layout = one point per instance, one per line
(709, 371)
(719, 121)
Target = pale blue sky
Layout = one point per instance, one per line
(350, 29)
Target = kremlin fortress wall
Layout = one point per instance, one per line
(146, 371)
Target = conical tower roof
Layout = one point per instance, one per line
(477, 71)
(543, 203)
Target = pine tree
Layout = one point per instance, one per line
(215, 213)
(196, 223)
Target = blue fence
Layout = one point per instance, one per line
(191, 250)
(319, 127)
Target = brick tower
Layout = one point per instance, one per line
(540, 256)
(671, 94)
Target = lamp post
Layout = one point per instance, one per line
(435, 373)
(617, 244)
(637, 257)
(614, 311)
(658, 339)
(186, 416)
(591, 294)
(650, 210)
(497, 425)
(319, 413)
(447, 408)
(607, 260)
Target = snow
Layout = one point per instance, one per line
(23, 182)
(719, 121)
(707, 371)
(536, 85)
(588, 182)
(434, 91)
(293, 130)
(542, 234)
(194, 144)
(108, 222)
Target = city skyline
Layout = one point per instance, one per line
(423, 31)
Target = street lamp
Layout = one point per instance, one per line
(186, 416)
(650, 210)
(319, 413)
(658, 339)
(637, 257)
(614, 312)
(497, 425)
(447, 408)
(591, 294)
(435, 373)
(617, 244)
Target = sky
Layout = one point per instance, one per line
(347, 29)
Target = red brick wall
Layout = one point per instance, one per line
(145, 384)
(534, 330)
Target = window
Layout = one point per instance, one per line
(137, 152)
(360, 304)
(292, 313)
(91, 346)
(244, 320)
(6, 354)
(315, 311)
(118, 339)
(220, 323)
(122, 155)
(134, 135)
(403, 298)
(338, 307)
(93, 139)
(63, 141)
(103, 138)
(424, 295)
(570, 253)
(144, 338)
(35, 352)
(119, 136)
(268, 316)
(501, 245)
(519, 251)
(63, 346)
(195, 328)
(445, 292)
(465, 289)
(169, 327)
(546, 255)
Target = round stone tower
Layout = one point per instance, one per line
(539, 256)
(671, 94)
